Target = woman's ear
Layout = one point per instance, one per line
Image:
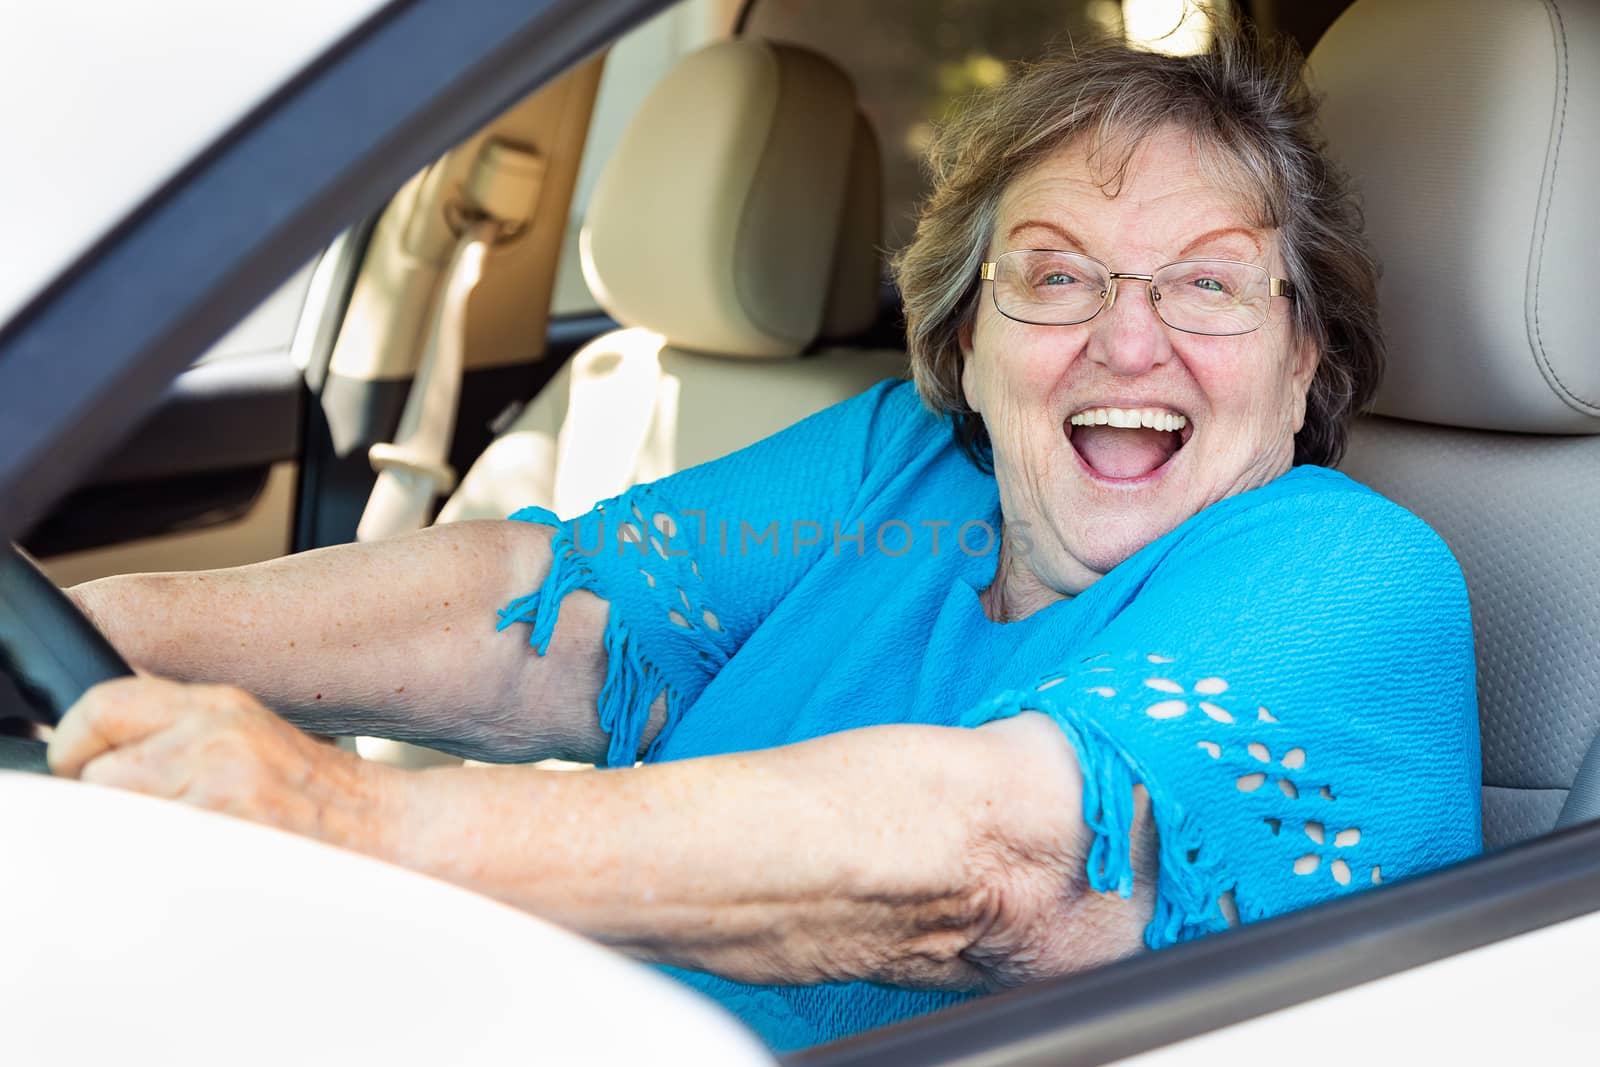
(964, 337)
(1306, 358)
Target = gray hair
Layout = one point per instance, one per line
(1253, 120)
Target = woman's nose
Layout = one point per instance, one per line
(1128, 337)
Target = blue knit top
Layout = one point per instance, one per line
(1289, 673)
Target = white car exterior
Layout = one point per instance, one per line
(145, 931)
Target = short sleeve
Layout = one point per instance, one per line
(691, 564)
(1293, 682)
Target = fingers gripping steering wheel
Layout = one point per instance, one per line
(49, 650)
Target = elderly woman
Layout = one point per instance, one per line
(1073, 645)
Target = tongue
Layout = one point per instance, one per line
(1122, 453)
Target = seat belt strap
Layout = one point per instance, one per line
(413, 469)
(1583, 799)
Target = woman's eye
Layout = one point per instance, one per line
(1057, 278)
(1210, 285)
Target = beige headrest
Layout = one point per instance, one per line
(1472, 129)
(853, 295)
(716, 222)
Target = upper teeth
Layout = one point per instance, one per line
(1130, 418)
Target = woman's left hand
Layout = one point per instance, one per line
(217, 747)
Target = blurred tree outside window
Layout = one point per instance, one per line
(913, 61)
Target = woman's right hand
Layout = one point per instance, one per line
(217, 747)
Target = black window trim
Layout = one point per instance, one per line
(1156, 999)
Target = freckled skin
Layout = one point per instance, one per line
(1244, 395)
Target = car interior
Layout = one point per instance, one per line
(708, 266)
(1485, 425)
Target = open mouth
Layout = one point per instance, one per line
(1127, 444)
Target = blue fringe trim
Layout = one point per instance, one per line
(1190, 882)
(631, 684)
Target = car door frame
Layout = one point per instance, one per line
(128, 315)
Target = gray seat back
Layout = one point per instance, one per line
(1472, 128)
(1517, 512)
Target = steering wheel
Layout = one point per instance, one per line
(49, 651)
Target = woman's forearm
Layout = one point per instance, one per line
(920, 856)
(395, 638)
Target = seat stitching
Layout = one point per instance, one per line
(1555, 156)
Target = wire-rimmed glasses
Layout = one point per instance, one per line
(1215, 297)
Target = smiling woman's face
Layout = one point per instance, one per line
(1093, 495)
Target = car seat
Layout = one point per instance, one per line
(735, 225)
(1472, 129)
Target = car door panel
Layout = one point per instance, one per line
(207, 479)
(245, 518)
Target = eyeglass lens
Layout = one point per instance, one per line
(1206, 296)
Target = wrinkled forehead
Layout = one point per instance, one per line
(1165, 187)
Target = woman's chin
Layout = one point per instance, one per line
(1108, 548)
(1109, 528)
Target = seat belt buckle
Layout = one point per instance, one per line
(391, 457)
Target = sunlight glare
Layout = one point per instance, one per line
(1176, 27)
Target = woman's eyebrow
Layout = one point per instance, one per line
(1069, 241)
(1252, 236)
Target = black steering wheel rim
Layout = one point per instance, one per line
(49, 649)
